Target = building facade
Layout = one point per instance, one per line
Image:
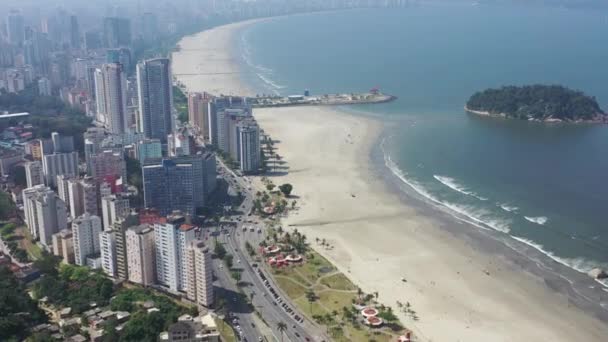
(44, 212)
(178, 183)
(199, 277)
(107, 249)
(33, 173)
(85, 231)
(141, 254)
(155, 96)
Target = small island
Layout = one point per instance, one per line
(544, 103)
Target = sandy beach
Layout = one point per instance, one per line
(459, 291)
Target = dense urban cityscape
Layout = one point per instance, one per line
(135, 210)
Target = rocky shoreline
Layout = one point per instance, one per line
(600, 118)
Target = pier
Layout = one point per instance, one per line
(374, 96)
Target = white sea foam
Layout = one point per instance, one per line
(538, 220)
(478, 219)
(579, 264)
(468, 214)
(508, 208)
(270, 82)
(454, 185)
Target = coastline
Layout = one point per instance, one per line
(381, 235)
(598, 120)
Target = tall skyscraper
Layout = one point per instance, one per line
(155, 90)
(116, 32)
(59, 164)
(199, 285)
(83, 195)
(44, 212)
(114, 207)
(33, 173)
(15, 28)
(74, 32)
(171, 240)
(111, 97)
(178, 183)
(198, 112)
(248, 146)
(108, 165)
(85, 231)
(141, 254)
(120, 227)
(149, 27)
(107, 248)
(44, 87)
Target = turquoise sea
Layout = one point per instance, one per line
(544, 185)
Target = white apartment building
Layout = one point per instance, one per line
(199, 285)
(44, 212)
(107, 248)
(85, 232)
(113, 207)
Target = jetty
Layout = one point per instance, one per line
(371, 97)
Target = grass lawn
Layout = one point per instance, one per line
(32, 249)
(314, 268)
(292, 289)
(338, 282)
(305, 307)
(334, 300)
(363, 334)
(291, 273)
(225, 330)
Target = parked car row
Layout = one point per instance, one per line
(278, 299)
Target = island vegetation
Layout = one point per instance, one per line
(547, 103)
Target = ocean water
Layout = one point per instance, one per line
(543, 185)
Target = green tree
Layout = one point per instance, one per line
(219, 250)
(311, 297)
(286, 189)
(281, 327)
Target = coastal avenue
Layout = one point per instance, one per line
(234, 239)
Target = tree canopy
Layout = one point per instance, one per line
(540, 102)
(17, 310)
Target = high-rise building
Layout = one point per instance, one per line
(199, 286)
(178, 183)
(15, 28)
(107, 248)
(116, 32)
(171, 240)
(111, 97)
(148, 149)
(74, 32)
(141, 254)
(248, 146)
(120, 227)
(62, 143)
(198, 112)
(155, 95)
(149, 27)
(59, 164)
(85, 231)
(33, 173)
(63, 245)
(108, 164)
(44, 87)
(114, 207)
(180, 143)
(44, 212)
(83, 197)
(217, 118)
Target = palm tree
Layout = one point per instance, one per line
(281, 326)
(310, 295)
(359, 292)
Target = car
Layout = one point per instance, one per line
(296, 333)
